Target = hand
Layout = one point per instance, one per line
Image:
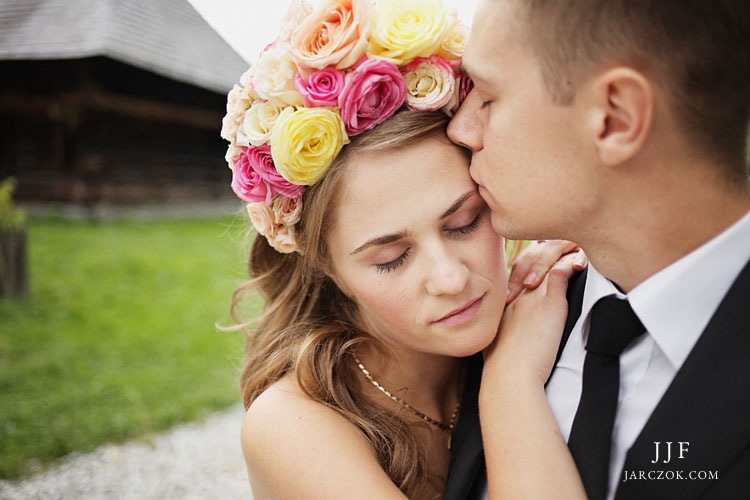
(535, 260)
(531, 328)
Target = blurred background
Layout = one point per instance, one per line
(120, 239)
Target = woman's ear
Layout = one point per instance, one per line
(621, 114)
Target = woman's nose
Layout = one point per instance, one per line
(447, 274)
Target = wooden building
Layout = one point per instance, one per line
(113, 101)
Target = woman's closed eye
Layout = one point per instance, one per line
(392, 265)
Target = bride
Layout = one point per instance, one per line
(382, 277)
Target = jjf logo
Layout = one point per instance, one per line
(683, 449)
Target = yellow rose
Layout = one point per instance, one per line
(304, 143)
(407, 29)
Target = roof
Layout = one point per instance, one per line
(167, 37)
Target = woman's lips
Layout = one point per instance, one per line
(462, 315)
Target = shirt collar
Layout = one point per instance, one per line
(676, 304)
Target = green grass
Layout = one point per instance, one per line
(117, 338)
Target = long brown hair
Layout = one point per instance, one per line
(310, 327)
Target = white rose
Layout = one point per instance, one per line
(258, 122)
(430, 84)
(274, 74)
(454, 44)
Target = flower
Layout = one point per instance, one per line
(261, 216)
(258, 122)
(233, 152)
(321, 88)
(305, 141)
(373, 92)
(465, 87)
(258, 179)
(430, 83)
(407, 29)
(247, 184)
(298, 11)
(273, 76)
(287, 211)
(454, 44)
(335, 34)
(284, 239)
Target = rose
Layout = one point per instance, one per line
(284, 239)
(430, 83)
(239, 100)
(247, 184)
(262, 161)
(321, 88)
(273, 75)
(233, 152)
(335, 34)
(258, 122)
(298, 11)
(262, 218)
(452, 48)
(465, 87)
(305, 141)
(287, 211)
(407, 29)
(372, 93)
(229, 127)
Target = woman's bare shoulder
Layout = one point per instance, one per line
(296, 447)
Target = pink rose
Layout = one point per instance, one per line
(287, 211)
(256, 178)
(262, 218)
(336, 34)
(464, 88)
(372, 93)
(321, 88)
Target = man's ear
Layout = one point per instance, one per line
(621, 114)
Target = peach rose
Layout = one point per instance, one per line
(286, 210)
(454, 44)
(298, 11)
(261, 216)
(335, 34)
(284, 239)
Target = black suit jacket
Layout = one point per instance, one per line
(707, 405)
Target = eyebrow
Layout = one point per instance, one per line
(390, 238)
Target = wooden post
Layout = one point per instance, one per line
(14, 272)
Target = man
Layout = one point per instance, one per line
(622, 125)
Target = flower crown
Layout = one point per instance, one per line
(333, 73)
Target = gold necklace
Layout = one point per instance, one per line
(437, 423)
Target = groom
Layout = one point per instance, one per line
(622, 125)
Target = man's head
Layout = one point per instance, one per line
(564, 87)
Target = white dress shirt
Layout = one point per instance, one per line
(675, 305)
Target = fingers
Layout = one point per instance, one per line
(560, 274)
(532, 264)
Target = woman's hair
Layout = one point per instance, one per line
(310, 327)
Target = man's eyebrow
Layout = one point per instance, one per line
(390, 238)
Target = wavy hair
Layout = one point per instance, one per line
(311, 328)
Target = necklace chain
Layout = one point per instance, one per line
(437, 423)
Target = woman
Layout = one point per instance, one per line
(379, 267)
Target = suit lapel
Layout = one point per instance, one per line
(576, 286)
(707, 405)
(467, 458)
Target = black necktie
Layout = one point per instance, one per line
(613, 327)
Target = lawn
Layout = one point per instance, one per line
(117, 339)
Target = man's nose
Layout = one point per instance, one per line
(465, 128)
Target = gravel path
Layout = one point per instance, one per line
(198, 461)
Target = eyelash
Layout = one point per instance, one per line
(396, 263)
